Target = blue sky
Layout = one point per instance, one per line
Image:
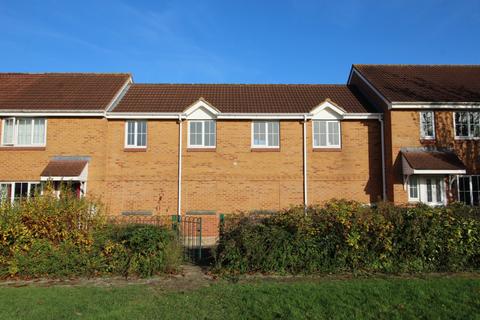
(241, 41)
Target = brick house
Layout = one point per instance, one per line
(221, 148)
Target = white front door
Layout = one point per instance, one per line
(432, 190)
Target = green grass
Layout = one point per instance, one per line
(390, 298)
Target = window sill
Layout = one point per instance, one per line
(467, 138)
(327, 149)
(427, 141)
(265, 149)
(13, 148)
(201, 149)
(135, 149)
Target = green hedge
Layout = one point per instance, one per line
(346, 236)
(64, 237)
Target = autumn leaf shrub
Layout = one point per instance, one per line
(347, 236)
(50, 236)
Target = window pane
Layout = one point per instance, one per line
(131, 133)
(464, 190)
(195, 133)
(323, 133)
(439, 189)
(141, 133)
(426, 122)
(24, 131)
(38, 131)
(413, 187)
(273, 134)
(5, 191)
(209, 133)
(259, 136)
(316, 133)
(8, 131)
(333, 134)
(475, 190)
(461, 124)
(21, 190)
(474, 124)
(429, 190)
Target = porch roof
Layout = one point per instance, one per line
(65, 170)
(431, 162)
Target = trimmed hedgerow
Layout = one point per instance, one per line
(46, 236)
(346, 236)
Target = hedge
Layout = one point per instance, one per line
(46, 236)
(345, 236)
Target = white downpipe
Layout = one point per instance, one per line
(179, 205)
(382, 139)
(305, 188)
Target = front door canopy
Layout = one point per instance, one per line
(431, 162)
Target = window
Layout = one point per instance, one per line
(467, 124)
(265, 134)
(326, 134)
(469, 190)
(24, 132)
(136, 134)
(413, 188)
(427, 125)
(17, 191)
(202, 134)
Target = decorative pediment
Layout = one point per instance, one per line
(201, 110)
(327, 110)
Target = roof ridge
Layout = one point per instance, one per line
(414, 65)
(66, 73)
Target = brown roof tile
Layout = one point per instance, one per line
(425, 83)
(59, 91)
(433, 160)
(240, 98)
(64, 168)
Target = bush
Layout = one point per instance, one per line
(346, 236)
(46, 236)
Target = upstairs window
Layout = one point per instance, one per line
(427, 125)
(136, 134)
(265, 134)
(201, 134)
(24, 132)
(467, 124)
(326, 134)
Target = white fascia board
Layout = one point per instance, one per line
(261, 116)
(362, 116)
(327, 104)
(201, 103)
(119, 95)
(51, 113)
(143, 115)
(429, 105)
(439, 171)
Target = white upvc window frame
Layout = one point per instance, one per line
(267, 144)
(11, 198)
(470, 135)
(135, 134)
(471, 192)
(424, 136)
(413, 180)
(203, 134)
(328, 145)
(14, 142)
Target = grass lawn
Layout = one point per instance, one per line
(388, 298)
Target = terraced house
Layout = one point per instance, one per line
(399, 133)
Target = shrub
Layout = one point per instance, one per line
(46, 236)
(346, 236)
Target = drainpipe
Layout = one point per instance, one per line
(179, 205)
(382, 142)
(305, 188)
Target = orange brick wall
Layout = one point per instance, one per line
(233, 178)
(65, 137)
(405, 129)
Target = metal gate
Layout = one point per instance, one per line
(189, 231)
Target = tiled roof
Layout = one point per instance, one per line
(240, 98)
(59, 91)
(64, 168)
(433, 160)
(425, 83)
